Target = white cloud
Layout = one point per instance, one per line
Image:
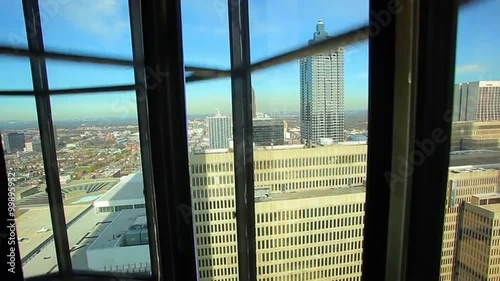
(102, 18)
(470, 68)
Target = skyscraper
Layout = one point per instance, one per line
(219, 131)
(14, 142)
(322, 93)
(478, 100)
(267, 131)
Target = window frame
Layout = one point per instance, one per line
(161, 114)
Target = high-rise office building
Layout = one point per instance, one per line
(219, 131)
(309, 206)
(469, 135)
(34, 146)
(478, 243)
(322, 93)
(13, 142)
(464, 182)
(478, 100)
(267, 131)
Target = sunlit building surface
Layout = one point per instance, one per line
(478, 100)
(123, 245)
(463, 183)
(475, 135)
(219, 131)
(478, 254)
(322, 92)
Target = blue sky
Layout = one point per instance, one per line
(102, 27)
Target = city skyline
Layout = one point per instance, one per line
(66, 29)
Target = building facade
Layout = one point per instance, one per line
(13, 142)
(219, 131)
(304, 197)
(468, 135)
(478, 254)
(322, 93)
(478, 100)
(463, 184)
(268, 131)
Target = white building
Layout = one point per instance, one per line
(322, 93)
(219, 131)
(127, 194)
(478, 100)
(123, 245)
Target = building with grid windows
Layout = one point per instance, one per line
(470, 135)
(309, 206)
(322, 93)
(267, 131)
(478, 100)
(304, 197)
(13, 142)
(219, 131)
(464, 183)
(478, 254)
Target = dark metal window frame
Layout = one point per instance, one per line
(161, 114)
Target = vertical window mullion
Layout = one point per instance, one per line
(45, 123)
(144, 133)
(239, 38)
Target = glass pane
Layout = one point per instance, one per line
(210, 132)
(95, 27)
(212, 179)
(12, 27)
(281, 26)
(67, 75)
(205, 22)
(21, 143)
(310, 133)
(472, 208)
(101, 176)
(15, 74)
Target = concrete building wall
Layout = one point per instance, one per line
(475, 135)
(120, 259)
(479, 100)
(462, 186)
(295, 250)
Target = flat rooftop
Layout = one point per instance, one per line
(474, 157)
(118, 227)
(291, 195)
(487, 195)
(129, 188)
(494, 208)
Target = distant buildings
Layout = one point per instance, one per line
(34, 146)
(219, 131)
(467, 135)
(268, 132)
(478, 100)
(322, 93)
(13, 142)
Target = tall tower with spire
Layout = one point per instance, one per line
(322, 93)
